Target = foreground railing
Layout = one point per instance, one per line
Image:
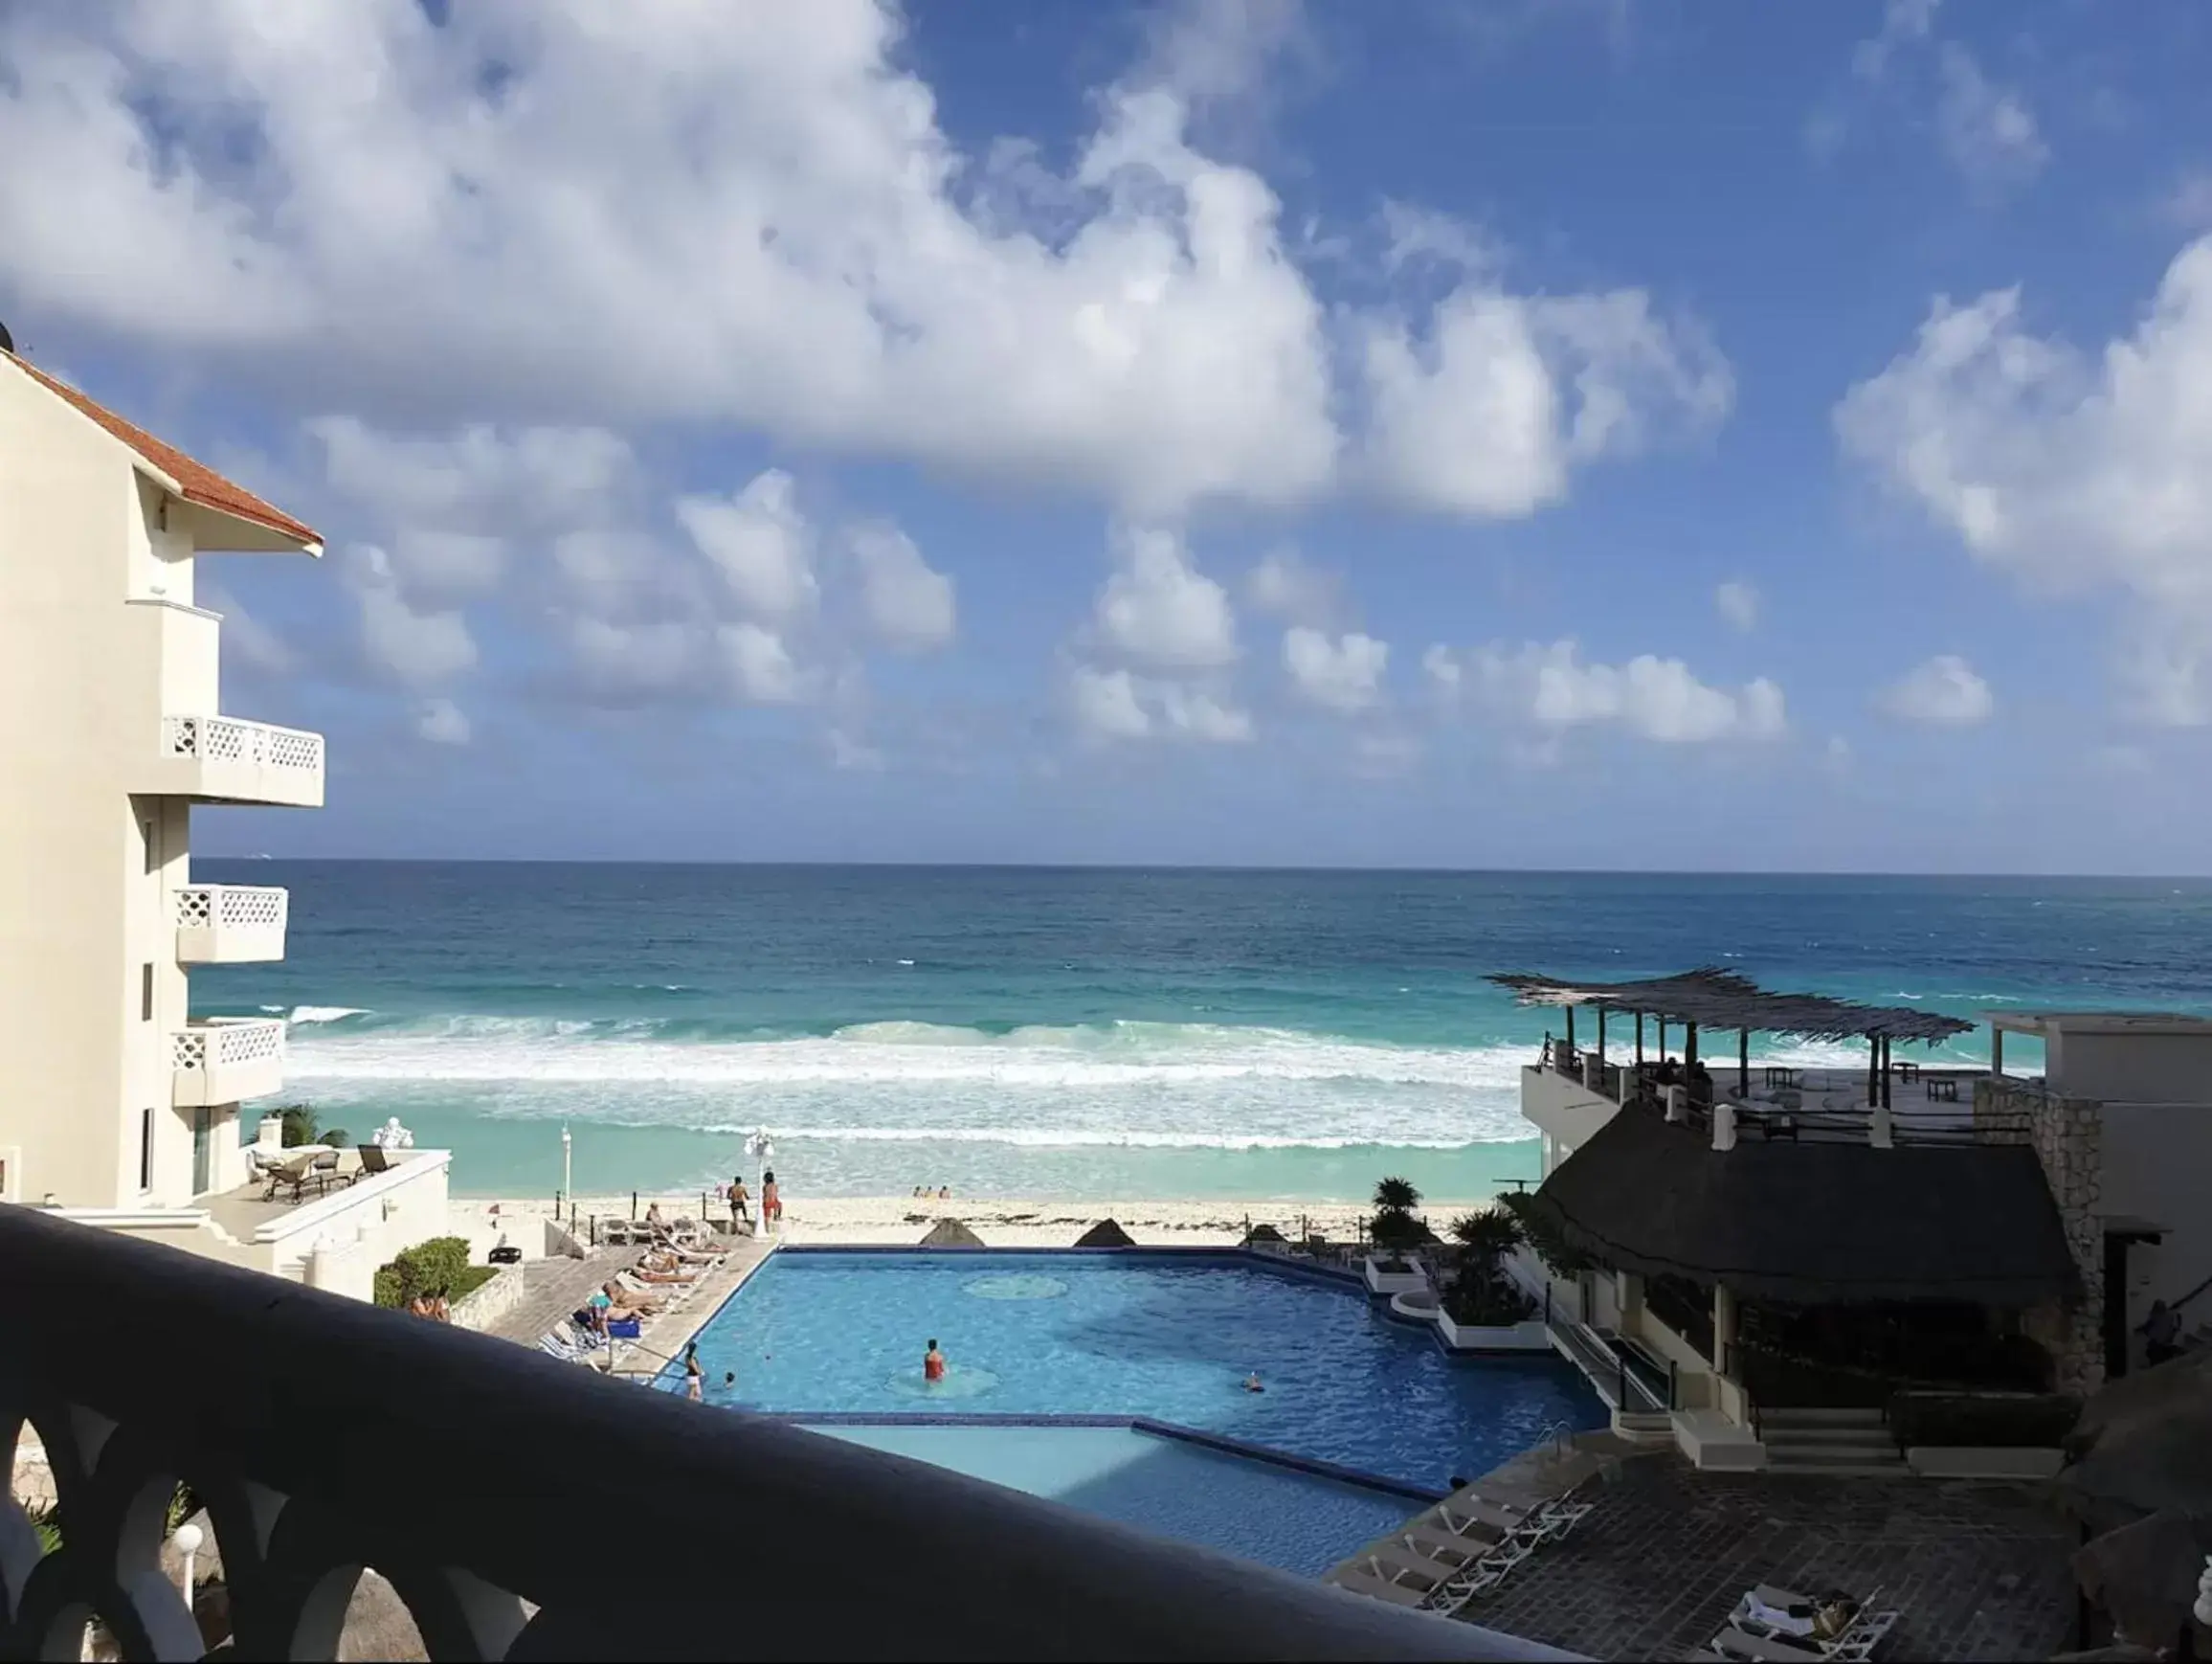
(526, 1508)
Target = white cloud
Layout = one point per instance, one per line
(1114, 705)
(2187, 205)
(907, 603)
(763, 225)
(418, 648)
(1343, 675)
(442, 722)
(1944, 692)
(245, 638)
(1739, 604)
(1655, 699)
(759, 542)
(1161, 612)
(1486, 408)
(760, 222)
(1288, 587)
(1445, 672)
(1989, 132)
(760, 666)
(2070, 473)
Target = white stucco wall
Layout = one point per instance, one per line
(2158, 1166)
(1564, 1109)
(98, 641)
(2133, 1067)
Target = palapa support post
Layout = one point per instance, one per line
(1570, 1031)
(1688, 1047)
(1640, 1040)
(1743, 1061)
(1601, 1041)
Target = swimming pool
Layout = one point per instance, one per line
(1302, 1522)
(1168, 1337)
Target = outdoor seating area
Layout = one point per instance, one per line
(607, 1328)
(1778, 1626)
(1458, 1552)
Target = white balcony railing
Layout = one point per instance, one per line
(231, 924)
(223, 757)
(225, 1059)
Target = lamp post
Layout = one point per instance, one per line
(762, 1152)
(188, 1539)
(568, 1186)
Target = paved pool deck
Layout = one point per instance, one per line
(1978, 1571)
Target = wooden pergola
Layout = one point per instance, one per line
(1713, 998)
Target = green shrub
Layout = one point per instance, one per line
(1394, 1226)
(440, 1263)
(337, 1138)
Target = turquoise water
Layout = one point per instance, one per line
(1301, 1523)
(1091, 1034)
(1167, 1338)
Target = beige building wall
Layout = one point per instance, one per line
(100, 641)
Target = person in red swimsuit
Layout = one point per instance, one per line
(932, 1364)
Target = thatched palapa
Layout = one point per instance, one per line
(1713, 998)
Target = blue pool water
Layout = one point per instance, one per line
(1301, 1523)
(1168, 1338)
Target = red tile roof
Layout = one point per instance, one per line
(198, 482)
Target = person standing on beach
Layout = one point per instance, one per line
(738, 1209)
(771, 1203)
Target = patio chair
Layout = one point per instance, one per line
(292, 1173)
(325, 1172)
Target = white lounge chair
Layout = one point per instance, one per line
(1735, 1643)
(1395, 1563)
(1359, 1583)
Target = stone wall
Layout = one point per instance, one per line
(2067, 1135)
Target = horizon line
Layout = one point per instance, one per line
(1203, 866)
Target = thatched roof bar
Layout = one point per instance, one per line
(1713, 997)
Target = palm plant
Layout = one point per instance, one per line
(1394, 1226)
(1480, 1293)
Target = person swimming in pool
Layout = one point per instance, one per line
(932, 1364)
(1252, 1382)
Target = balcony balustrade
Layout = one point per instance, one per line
(225, 1060)
(223, 759)
(528, 1509)
(230, 924)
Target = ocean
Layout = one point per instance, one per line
(1087, 1034)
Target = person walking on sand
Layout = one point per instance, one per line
(932, 1364)
(694, 1377)
(739, 1208)
(771, 1203)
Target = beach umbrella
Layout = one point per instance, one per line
(1106, 1233)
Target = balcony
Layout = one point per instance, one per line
(230, 924)
(227, 1059)
(480, 1479)
(220, 759)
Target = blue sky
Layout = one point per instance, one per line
(1628, 434)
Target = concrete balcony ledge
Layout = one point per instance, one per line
(479, 1478)
(231, 924)
(226, 1060)
(222, 759)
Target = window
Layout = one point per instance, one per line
(145, 992)
(154, 848)
(146, 1149)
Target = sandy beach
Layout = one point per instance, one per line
(1042, 1222)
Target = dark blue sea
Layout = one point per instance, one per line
(1081, 1033)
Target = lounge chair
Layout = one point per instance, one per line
(1468, 1507)
(325, 1171)
(555, 1344)
(294, 1173)
(1865, 1629)
(1394, 1562)
(1464, 1551)
(1734, 1643)
(375, 1160)
(1359, 1583)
